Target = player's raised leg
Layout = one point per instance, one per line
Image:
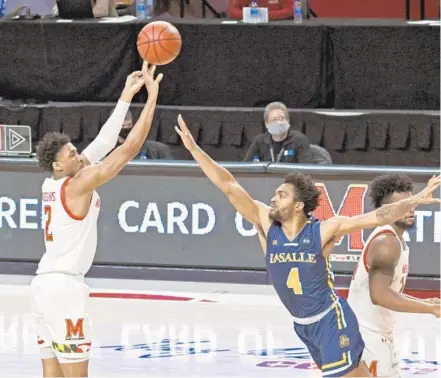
(360, 371)
(49, 361)
(59, 303)
(71, 330)
(75, 369)
(51, 368)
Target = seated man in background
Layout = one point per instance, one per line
(150, 149)
(277, 9)
(280, 143)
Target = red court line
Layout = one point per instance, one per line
(422, 294)
(150, 297)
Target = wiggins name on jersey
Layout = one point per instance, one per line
(299, 272)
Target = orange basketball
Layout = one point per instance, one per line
(159, 43)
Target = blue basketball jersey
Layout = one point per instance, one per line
(299, 272)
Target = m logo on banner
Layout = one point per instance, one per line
(15, 140)
(75, 332)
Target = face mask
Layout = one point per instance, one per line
(124, 133)
(277, 128)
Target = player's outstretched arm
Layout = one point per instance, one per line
(251, 210)
(339, 226)
(106, 139)
(93, 176)
(384, 252)
(435, 300)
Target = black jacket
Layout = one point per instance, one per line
(154, 150)
(295, 149)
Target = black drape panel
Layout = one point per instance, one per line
(247, 65)
(386, 67)
(78, 61)
(343, 64)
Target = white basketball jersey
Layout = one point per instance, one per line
(370, 316)
(70, 241)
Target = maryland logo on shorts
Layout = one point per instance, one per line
(75, 331)
(72, 348)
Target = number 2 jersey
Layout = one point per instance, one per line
(70, 241)
(299, 272)
(370, 316)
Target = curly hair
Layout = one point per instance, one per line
(305, 190)
(48, 148)
(384, 186)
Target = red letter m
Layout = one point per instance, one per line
(74, 330)
(352, 204)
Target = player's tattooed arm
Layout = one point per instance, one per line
(338, 226)
(253, 211)
(390, 213)
(382, 257)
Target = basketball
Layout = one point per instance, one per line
(159, 43)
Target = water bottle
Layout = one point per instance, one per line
(254, 11)
(148, 9)
(298, 12)
(140, 10)
(2, 8)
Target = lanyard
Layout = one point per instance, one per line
(278, 156)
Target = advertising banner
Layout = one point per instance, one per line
(180, 219)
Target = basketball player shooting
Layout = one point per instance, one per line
(71, 206)
(297, 247)
(376, 290)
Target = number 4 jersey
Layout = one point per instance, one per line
(299, 272)
(70, 241)
(304, 282)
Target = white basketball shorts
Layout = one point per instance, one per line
(379, 354)
(58, 304)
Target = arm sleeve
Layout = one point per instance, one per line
(106, 139)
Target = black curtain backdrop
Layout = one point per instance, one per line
(386, 67)
(342, 64)
(65, 61)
